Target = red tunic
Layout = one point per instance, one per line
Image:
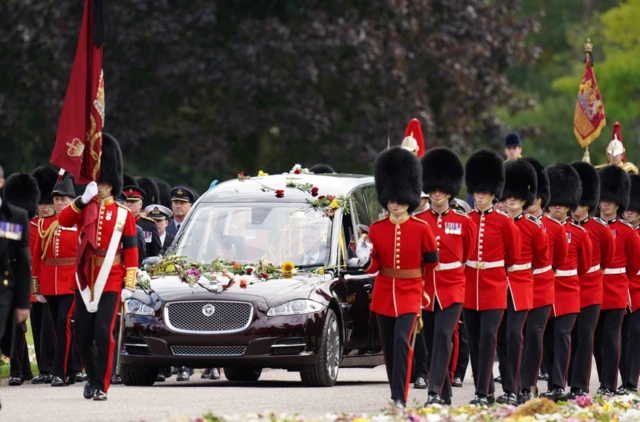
(634, 283)
(56, 272)
(456, 240)
(35, 235)
(616, 284)
(578, 263)
(498, 246)
(406, 246)
(534, 253)
(127, 252)
(543, 277)
(604, 247)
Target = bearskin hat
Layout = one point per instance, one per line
(165, 192)
(543, 181)
(615, 186)
(46, 177)
(442, 170)
(484, 172)
(21, 190)
(152, 192)
(129, 180)
(398, 177)
(590, 185)
(565, 185)
(321, 169)
(634, 193)
(111, 164)
(521, 181)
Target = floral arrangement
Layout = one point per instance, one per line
(620, 408)
(329, 204)
(298, 169)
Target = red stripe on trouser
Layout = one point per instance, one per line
(516, 376)
(593, 339)
(453, 363)
(112, 344)
(619, 346)
(541, 352)
(409, 360)
(566, 365)
(67, 347)
(493, 355)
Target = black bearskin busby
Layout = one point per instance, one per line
(46, 177)
(21, 190)
(111, 164)
(442, 170)
(565, 184)
(398, 178)
(521, 181)
(614, 186)
(129, 180)
(590, 185)
(321, 169)
(484, 172)
(152, 192)
(544, 190)
(165, 192)
(65, 187)
(634, 195)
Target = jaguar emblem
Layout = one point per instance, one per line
(208, 310)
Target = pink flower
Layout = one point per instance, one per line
(584, 401)
(330, 197)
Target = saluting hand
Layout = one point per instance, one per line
(89, 192)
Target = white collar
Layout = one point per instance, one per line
(163, 237)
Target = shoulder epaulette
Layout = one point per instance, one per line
(503, 213)
(627, 224)
(459, 212)
(123, 206)
(601, 221)
(555, 221)
(578, 226)
(419, 220)
(534, 220)
(386, 217)
(33, 223)
(144, 217)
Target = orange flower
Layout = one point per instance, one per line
(243, 283)
(236, 265)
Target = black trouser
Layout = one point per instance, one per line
(395, 334)
(532, 350)
(557, 349)
(95, 330)
(482, 332)
(6, 321)
(630, 360)
(19, 366)
(582, 347)
(421, 355)
(463, 351)
(62, 308)
(43, 340)
(510, 341)
(438, 329)
(607, 346)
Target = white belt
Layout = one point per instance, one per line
(449, 266)
(542, 270)
(485, 265)
(566, 273)
(594, 269)
(609, 271)
(519, 267)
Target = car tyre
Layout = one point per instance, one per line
(138, 377)
(325, 372)
(243, 373)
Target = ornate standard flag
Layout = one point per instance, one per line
(79, 138)
(589, 118)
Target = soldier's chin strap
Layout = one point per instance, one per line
(515, 207)
(491, 198)
(441, 201)
(534, 205)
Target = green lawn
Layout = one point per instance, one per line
(4, 366)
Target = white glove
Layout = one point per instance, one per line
(126, 294)
(89, 192)
(41, 299)
(363, 250)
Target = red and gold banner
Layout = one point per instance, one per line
(79, 139)
(589, 118)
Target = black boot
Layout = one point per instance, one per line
(434, 398)
(508, 398)
(99, 395)
(15, 381)
(88, 391)
(420, 383)
(479, 400)
(57, 382)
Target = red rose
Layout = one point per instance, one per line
(330, 197)
(264, 275)
(297, 171)
(314, 191)
(279, 193)
(321, 197)
(249, 270)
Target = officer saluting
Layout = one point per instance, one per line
(442, 175)
(181, 201)
(498, 246)
(401, 248)
(135, 195)
(161, 215)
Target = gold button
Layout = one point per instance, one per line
(398, 250)
(5, 282)
(398, 244)
(398, 262)
(6, 273)
(398, 267)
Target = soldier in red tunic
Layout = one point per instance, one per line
(442, 174)
(401, 248)
(520, 192)
(543, 285)
(53, 275)
(107, 259)
(603, 246)
(498, 247)
(630, 359)
(614, 199)
(565, 195)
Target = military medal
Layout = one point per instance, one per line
(569, 237)
(108, 216)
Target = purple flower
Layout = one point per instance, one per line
(584, 401)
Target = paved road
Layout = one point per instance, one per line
(358, 390)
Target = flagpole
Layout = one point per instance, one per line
(588, 48)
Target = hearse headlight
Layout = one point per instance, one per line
(295, 307)
(136, 307)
